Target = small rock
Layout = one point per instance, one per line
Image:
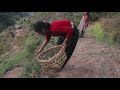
(18, 26)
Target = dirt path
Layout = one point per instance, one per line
(92, 60)
(15, 73)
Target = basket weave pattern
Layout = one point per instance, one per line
(52, 59)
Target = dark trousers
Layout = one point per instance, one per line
(82, 33)
(71, 43)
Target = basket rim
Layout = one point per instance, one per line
(46, 51)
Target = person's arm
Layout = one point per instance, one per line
(47, 38)
(68, 35)
(42, 46)
(66, 26)
(81, 25)
(86, 23)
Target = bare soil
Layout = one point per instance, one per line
(92, 59)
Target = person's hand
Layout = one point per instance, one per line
(62, 49)
(64, 45)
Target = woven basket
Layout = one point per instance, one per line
(52, 59)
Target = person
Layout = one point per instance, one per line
(84, 23)
(65, 29)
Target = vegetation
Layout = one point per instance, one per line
(99, 33)
(106, 29)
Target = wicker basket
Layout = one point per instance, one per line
(52, 59)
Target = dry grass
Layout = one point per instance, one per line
(112, 27)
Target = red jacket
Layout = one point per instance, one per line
(60, 28)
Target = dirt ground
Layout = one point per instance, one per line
(92, 60)
(15, 73)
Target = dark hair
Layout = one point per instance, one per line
(39, 25)
(86, 13)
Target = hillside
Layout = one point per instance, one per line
(9, 18)
(17, 46)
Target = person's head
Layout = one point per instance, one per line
(41, 27)
(85, 13)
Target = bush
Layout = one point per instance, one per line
(99, 33)
(31, 69)
(12, 61)
(112, 27)
(5, 40)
